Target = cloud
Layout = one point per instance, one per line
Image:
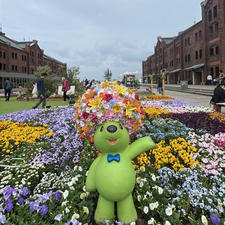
(99, 34)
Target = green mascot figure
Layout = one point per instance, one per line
(112, 113)
(112, 174)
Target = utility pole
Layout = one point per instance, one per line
(163, 75)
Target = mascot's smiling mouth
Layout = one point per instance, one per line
(113, 141)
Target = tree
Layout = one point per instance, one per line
(42, 69)
(72, 74)
(108, 75)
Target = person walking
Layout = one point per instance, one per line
(209, 79)
(65, 88)
(41, 91)
(159, 86)
(8, 87)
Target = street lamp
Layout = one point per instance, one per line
(163, 75)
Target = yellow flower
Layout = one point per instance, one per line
(105, 84)
(120, 89)
(129, 108)
(116, 108)
(95, 103)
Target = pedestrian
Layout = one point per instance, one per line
(218, 96)
(65, 88)
(8, 87)
(41, 91)
(20, 90)
(221, 76)
(209, 79)
(159, 86)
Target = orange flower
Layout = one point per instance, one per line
(85, 129)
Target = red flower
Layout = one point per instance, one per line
(136, 96)
(107, 97)
(85, 115)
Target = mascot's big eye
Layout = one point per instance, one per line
(101, 129)
(121, 127)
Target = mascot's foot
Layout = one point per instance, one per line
(126, 210)
(104, 211)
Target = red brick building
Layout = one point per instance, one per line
(19, 61)
(194, 53)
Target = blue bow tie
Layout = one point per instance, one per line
(116, 157)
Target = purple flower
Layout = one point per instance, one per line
(9, 205)
(58, 217)
(74, 222)
(57, 195)
(2, 218)
(33, 206)
(25, 191)
(21, 201)
(215, 219)
(8, 192)
(43, 209)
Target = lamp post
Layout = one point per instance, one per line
(163, 75)
(152, 78)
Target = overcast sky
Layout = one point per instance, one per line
(97, 34)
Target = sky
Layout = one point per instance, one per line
(97, 34)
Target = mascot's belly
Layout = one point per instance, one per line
(115, 180)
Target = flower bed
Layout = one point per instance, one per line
(180, 182)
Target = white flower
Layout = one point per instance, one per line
(83, 195)
(153, 177)
(167, 223)
(145, 209)
(75, 216)
(169, 211)
(138, 180)
(86, 210)
(141, 184)
(139, 198)
(133, 223)
(160, 190)
(84, 188)
(64, 203)
(65, 194)
(142, 169)
(154, 205)
(67, 210)
(151, 221)
(204, 220)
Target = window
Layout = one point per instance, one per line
(186, 58)
(4, 55)
(0, 66)
(200, 53)
(217, 50)
(196, 36)
(216, 27)
(211, 29)
(189, 58)
(0, 54)
(217, 71)
(196, 55)
(13, 55)
(210, 15)
(4, 67)
(12, 67)
(185, 42)
(211, 51)
(200, 35)
(25, 69)
(215, 11)
(15, 68)
(189, 41)
(212, 71)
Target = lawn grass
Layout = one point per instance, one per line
(13, 105)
